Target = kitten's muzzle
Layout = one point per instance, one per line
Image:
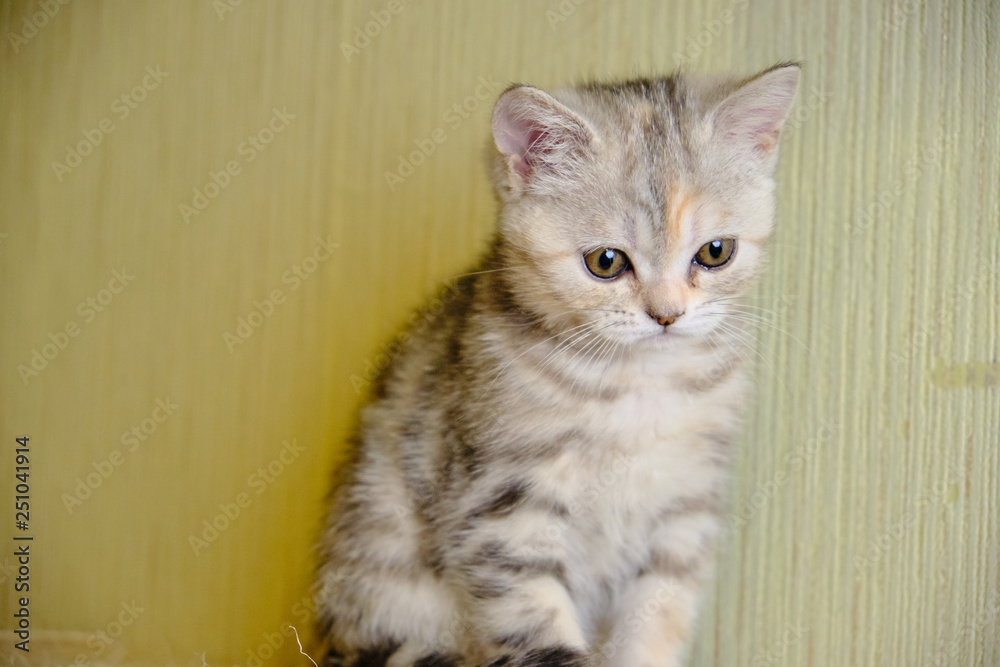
(665, 320)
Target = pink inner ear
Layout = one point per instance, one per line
(764, 126)
(521, 141)
(537, 134)
(761, 126)
(755, 114)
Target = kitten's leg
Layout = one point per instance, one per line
(379, 594)
(654, 623)
(377, 618)
(655, 615)
(511, 564)
(534, 626)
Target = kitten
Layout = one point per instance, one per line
(540, 475)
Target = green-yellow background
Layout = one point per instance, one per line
(865, 514)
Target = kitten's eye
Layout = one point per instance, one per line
(716, 253)
(606, 263)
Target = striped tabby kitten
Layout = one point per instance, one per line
(540, 476)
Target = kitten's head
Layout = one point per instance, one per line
(638, 207)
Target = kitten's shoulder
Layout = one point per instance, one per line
(427, 341)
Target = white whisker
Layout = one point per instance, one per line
(505, 366)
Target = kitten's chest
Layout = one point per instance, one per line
(646, 455)
(649, 449)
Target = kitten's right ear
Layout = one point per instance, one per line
(538, 137)
(751, 118)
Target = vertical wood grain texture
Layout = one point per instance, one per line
(865, 525)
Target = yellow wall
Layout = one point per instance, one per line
(872, 450)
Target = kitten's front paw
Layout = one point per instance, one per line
(633, 658)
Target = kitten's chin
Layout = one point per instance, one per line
(685, 332)
(662, 339)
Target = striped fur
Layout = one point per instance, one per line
(539, 476)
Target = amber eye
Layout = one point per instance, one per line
(606, 263)
(716, 253)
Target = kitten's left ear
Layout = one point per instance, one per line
(539, 140)
(751, 117)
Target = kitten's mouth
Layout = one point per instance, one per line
(664, 336)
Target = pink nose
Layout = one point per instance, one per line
(665, 320)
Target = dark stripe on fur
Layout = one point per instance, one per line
(494, 554)
(333, 658)
(554, 568)
(484, 589)
(375, 657)
(503, 504)
(438, 660)
(556, 656)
